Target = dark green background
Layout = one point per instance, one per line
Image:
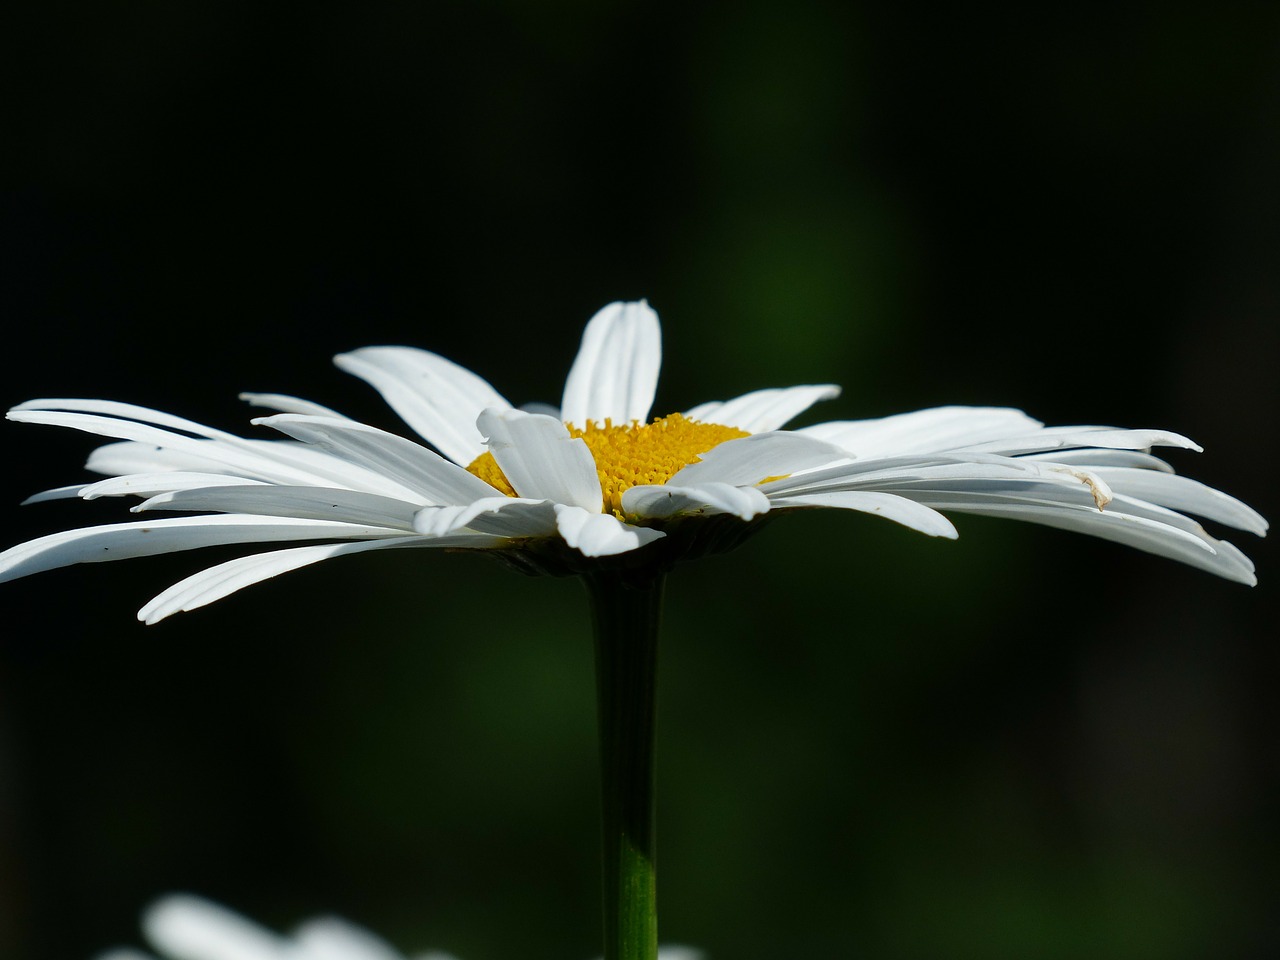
(1024, 744)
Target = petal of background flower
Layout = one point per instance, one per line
(191, 928)
(763, 410)
(665, 500)
(540, 459)
(437, 397)
(595, 534)
(615, 373)
(331, 938)
(898, 509)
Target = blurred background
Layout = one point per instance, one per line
(872, 744)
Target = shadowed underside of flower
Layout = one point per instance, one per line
(598, 482)
(184, 927)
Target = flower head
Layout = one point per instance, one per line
(597, 481)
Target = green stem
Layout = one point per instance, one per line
(625, 614)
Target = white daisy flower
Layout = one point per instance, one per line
(596, 482)
(185, 927)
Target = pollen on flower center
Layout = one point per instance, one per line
(632, 455)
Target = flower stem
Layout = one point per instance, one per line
(626, 612)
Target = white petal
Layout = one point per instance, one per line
(272, 462)
(749, 460)
(500, 516)
(615, 374)
(226, 578)
(409, 464)
(600, 534)
(923, 431)
(1185, 494)
(309, 503)
(1132, 522)
(56, 493)
(124, 954)
(524, 519)
(658, 501)
(436, 397)
(1059, 438)
(125, 411)
(131, 456)
(891, 507)
(190, 928)
(540, 459)
(122, 541)
(1103, 458)
(150, 484)
(763, 409)
(286, 404)
(886, 471)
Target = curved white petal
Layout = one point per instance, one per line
(1168, 535)
(228, 451)
(287, 404)
(510, 517)
(875, 473)
(763, 410)
(615, 374)
(410, 465)
(437, 397)
(748, 460)
(150, 484)
(1184, 494)
(923, 431)
(114, 409)
(540, 459)
(1095, 457)
(887, 505)
(1060, 438)
(122, 541)
(152, 448)
(69, 492)
(224, 579)
(660, 501)
(308, 503)
(124, 954)
(192, 928)
(600, 534)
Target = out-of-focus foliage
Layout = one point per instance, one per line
(872, 744)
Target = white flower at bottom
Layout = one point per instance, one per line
(184, 927)
(599, 482)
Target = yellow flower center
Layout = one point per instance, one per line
(632, 455)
